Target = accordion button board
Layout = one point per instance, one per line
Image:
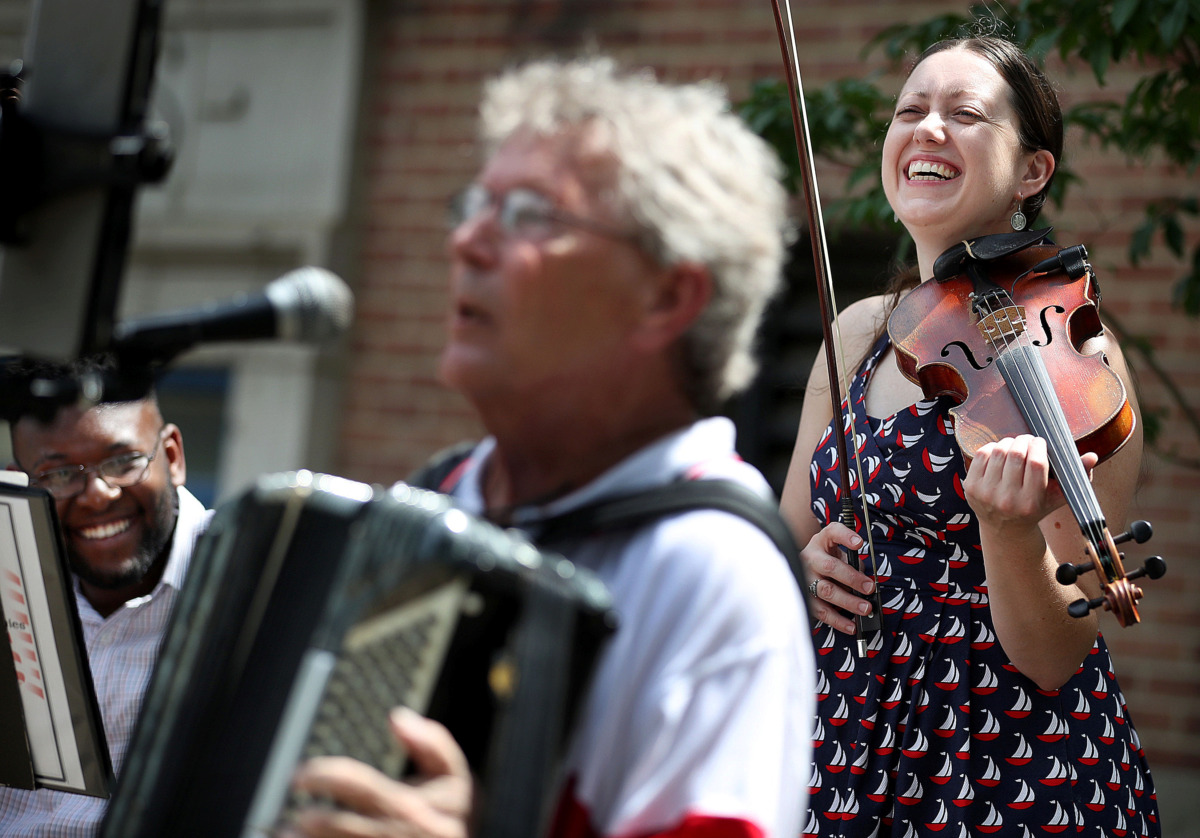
(314, 605)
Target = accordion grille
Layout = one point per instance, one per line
(388, 659)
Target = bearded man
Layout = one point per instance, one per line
(116, 473)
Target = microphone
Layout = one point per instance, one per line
(308, 304)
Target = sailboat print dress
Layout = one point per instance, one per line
(938, 734)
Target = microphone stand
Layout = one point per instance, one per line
(74, 148)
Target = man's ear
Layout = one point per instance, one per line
(680, 297)
(173, 450)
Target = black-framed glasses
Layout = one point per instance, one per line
(526, 214)
(119, 472)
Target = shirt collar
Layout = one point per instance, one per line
(189, 524)
(192, 521)
(685, 452)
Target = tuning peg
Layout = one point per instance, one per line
(1154, 567)
(1067, 573)
(1081, 607)
(1139, 531)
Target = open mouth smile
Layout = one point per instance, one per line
(928, 170)
(107, 530)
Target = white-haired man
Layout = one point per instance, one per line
(609, 267)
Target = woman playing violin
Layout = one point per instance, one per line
(980, 704)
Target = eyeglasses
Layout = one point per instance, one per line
(119, 472)
(525, 214)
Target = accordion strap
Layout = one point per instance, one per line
(636, 508)
(444, 469)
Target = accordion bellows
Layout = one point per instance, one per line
(312, 606)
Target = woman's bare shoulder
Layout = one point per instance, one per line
(860, 322)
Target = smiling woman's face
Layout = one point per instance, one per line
(953, 165)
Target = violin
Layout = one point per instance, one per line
(999, 330)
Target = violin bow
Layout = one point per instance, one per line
(865, 626)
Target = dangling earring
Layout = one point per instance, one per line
(1018, 220)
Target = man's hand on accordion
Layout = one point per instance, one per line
(437, 804)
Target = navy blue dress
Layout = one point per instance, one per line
(939, 734)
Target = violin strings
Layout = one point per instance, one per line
(1031, 380)
(1028, 376)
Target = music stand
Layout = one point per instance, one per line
(49, 719)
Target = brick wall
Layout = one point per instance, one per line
(424, 67)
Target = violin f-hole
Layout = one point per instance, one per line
(1043, 319)
(968, 353)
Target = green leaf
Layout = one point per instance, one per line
(1171, 26)
(1152, 423)
(1042, 44)
(1187, 291)
(1098, 55)
(1121, 13)
(1173, 233)
(1139, 245)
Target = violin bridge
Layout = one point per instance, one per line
(1003, 325)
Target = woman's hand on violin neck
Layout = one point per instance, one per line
(1008, 486)
(1008, 483)
(837, 584)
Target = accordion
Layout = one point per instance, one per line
(315, 604)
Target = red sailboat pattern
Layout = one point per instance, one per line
(859, 766)
(937, 733)
(966, 794)
(1022, 754)
(990, 776)
(944, 773)
(1022, 706)
(948, 726)
(1056, 774)
(988, 683)
(1024, 798)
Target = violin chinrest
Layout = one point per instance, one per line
(953, 262)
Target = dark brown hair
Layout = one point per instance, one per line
(1039, 123)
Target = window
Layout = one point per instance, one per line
(768, 414)
(194, 398)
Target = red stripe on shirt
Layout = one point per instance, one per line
(573, 820)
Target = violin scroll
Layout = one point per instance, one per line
(1120, 595)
